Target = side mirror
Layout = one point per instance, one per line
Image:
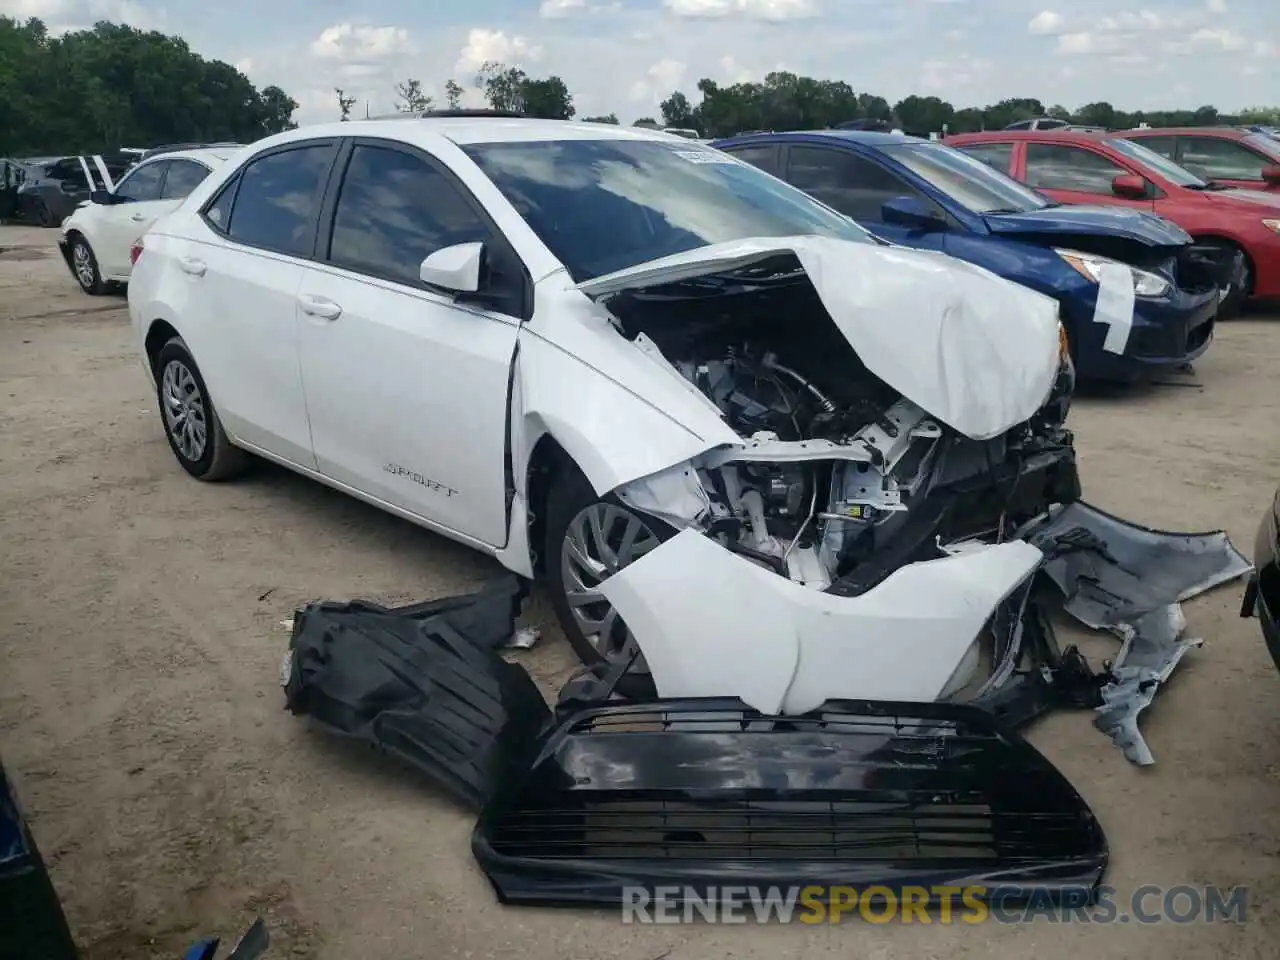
(911, 212)
(104, 197)
(455, 269)
(1271, 175)
(1130, 186)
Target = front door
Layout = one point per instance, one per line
(407, 387)
(121, 223)
(1075, 174)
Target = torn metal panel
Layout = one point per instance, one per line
(694, 608)
(1130, 580)
(418, 687)
(1148, 657)
(702, 793)
(1114, 572)
(977, 352)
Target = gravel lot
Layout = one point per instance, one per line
(139, 708)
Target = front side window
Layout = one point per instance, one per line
(142, 184)
(998, 156)
(965, 179)
(762, 155)
(1054, 167)
(1212, 158)
(605, 205)
(1171, 171)
(279, 194)
(844, 181)
(1167, 147)
(394, 209)
(184, 176)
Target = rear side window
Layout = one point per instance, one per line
(764, 156)
(184, 176)
(143, 183)
(1053, 167)
(279, 194)
(998, 155)
(393, 210)
(855, 186)
(1212, 158)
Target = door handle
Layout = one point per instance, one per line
(192, 266)
(138, 217)
(322, 308)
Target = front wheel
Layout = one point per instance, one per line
(588, 539)
(191, 423)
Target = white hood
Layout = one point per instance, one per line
(977, 352)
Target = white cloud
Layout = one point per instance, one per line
(659, 81)
(1045, 22)
(22, 9)
(1217, 6)
(486, 46)
(946, 73)
(748, 9)
(554, 9)
(351, 41)
(734, 71)
(1223, 37)
(130, 12)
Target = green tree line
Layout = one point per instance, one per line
(786, 101)
(116, 86)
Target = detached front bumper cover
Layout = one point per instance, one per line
(700, 793)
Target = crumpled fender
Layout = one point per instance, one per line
(618, 412)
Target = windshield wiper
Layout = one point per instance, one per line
(1213, 185)
(1001, 210)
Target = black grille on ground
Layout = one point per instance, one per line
(854, 793)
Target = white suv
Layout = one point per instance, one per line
(564, 343)
(98, 236)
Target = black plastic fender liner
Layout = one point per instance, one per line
(703, 793)
(418, 689)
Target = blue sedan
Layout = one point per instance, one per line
(1136, 295)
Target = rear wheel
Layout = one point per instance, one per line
(588, 539)
(85, 266)
(191, 423)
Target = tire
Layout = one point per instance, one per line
(1233, 305)
(191, 423)
(85, 266)
(568, 502)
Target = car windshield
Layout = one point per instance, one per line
(1264, 144)
(1153, 161)
(605, 205)
(973, 184)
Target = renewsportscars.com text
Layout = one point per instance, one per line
(1146, 904)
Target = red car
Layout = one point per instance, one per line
(1104, 168)
(1238, 158)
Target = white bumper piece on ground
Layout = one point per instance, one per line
(712, 623)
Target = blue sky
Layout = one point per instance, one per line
(624, 56)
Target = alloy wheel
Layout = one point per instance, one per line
(86, 272)
(600, 540)
(184, 410)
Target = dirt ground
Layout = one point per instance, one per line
(140, 643)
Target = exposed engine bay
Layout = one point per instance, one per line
(836, 463)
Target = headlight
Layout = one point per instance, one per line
(1272, 225)
(1088, 265)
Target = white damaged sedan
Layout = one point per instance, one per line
(571, 345)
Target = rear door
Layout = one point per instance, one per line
(237, 285)
(1071, 173)
(118, 225)
(407, 386)
(858, 187)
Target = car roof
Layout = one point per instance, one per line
(1065, 136)
(1230, 133)
(468, 130)
(205, 154)
(870, 138)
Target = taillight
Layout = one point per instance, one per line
(135, 252)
